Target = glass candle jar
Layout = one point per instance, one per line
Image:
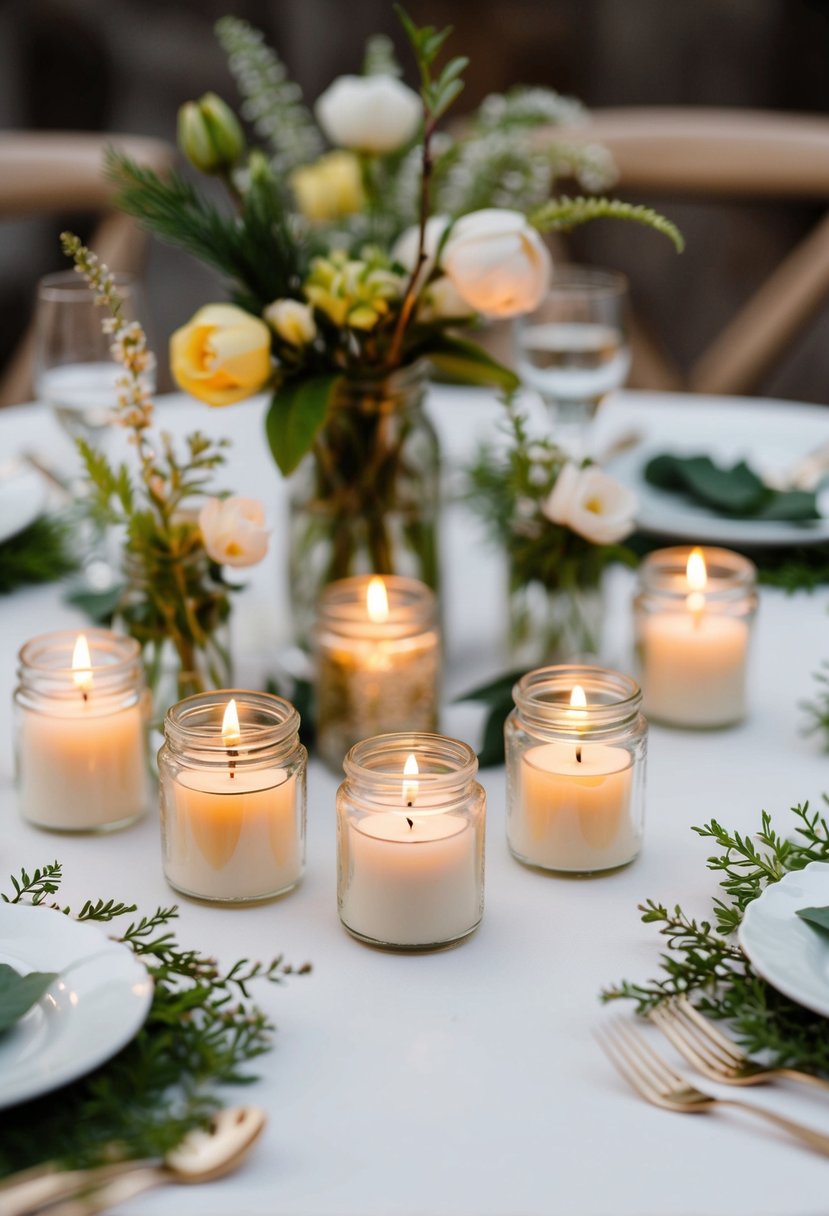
(232, 772)
(410, 841)
(81, 753)
(576, 745)
(377, 661)
(693, 618)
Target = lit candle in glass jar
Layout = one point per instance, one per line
(81, 738)
(232, 796)
(693, 616)
(410, 841)
(575, 770)
(377, 661)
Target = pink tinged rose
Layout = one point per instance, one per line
(233, 530)
(591, 504)
(498, 262)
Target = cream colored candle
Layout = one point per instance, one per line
(411, 875)
(81, 755)
(573, 809)
(694, 659)
(232, 831)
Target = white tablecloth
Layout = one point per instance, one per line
(467, 1082)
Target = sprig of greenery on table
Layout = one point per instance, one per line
(817, 710)
(40, 553)
(201, 1033)
(704, 960)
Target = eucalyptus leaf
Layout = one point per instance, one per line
(296, 413)
(18, 993)
(819, 917)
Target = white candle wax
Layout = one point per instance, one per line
(411, 886)
(574, 815)
(82, 765)
(694, 667)
(232, 837)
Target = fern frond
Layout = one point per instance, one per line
(271, 101)
(562, 214)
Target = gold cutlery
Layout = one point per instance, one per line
(712, 1053)
(656, 1082)
(203, 1155)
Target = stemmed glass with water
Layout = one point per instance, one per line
(573, 349)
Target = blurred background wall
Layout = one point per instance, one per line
(126, 65)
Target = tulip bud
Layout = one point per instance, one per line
(209, 134)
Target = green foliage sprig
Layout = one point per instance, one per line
(562, 214)
(201, 1033)
(817, 710)
(704, 961)
(41, 553)
(178, 593)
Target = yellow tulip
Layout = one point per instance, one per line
(222, 355)
(328, 188)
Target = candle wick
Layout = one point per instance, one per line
(231, 761)
(410, 821)
(578, 753)
(85, 696)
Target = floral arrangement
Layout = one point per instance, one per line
(560, 525)
(360, 260)
(177, 539)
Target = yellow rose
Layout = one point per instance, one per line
(222, 355)
(329, 188)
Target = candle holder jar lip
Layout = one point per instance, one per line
(542, 699)
(730, 575)
(412, 607)
(45, 662)
(378, 764)
(193, 727)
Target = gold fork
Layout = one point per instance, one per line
(710, 1052)
(655, 1081)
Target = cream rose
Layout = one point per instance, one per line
(292, 320)
(329, 187)
(233, 531)
(407, 244)
(376, 114)
(498, 262)
(591, 504)
(222, 355)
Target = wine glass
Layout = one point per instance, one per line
(73, 368)
(573, 349)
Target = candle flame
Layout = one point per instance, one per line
(82, 665)
(695, 571)
(377, 601)
(410, 788)
(231, 734)
(578, 703)
(697, 576)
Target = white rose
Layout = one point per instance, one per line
(292, 320)
(591, 504)
(498, 262)
(441, 301)
(407, 244)
(233, 531)
(369, 113)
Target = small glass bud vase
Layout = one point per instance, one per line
(410, 842)
(693, 620)
(377, 661)
(576, 746)
(81, 751)
(232, 774)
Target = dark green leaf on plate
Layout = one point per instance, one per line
(19, 992)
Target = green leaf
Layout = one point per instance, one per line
(494, 692)
(819, 917)
(465, 363)
(492, 746)
(736, 490)
(296, 413)
(562, 214)
(18, 993)
(99, 606)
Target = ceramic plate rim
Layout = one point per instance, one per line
(753, 936)
(120, 976)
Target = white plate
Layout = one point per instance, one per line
(22, 498)
(771, 436)
(785, 950)
(90, 1012)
